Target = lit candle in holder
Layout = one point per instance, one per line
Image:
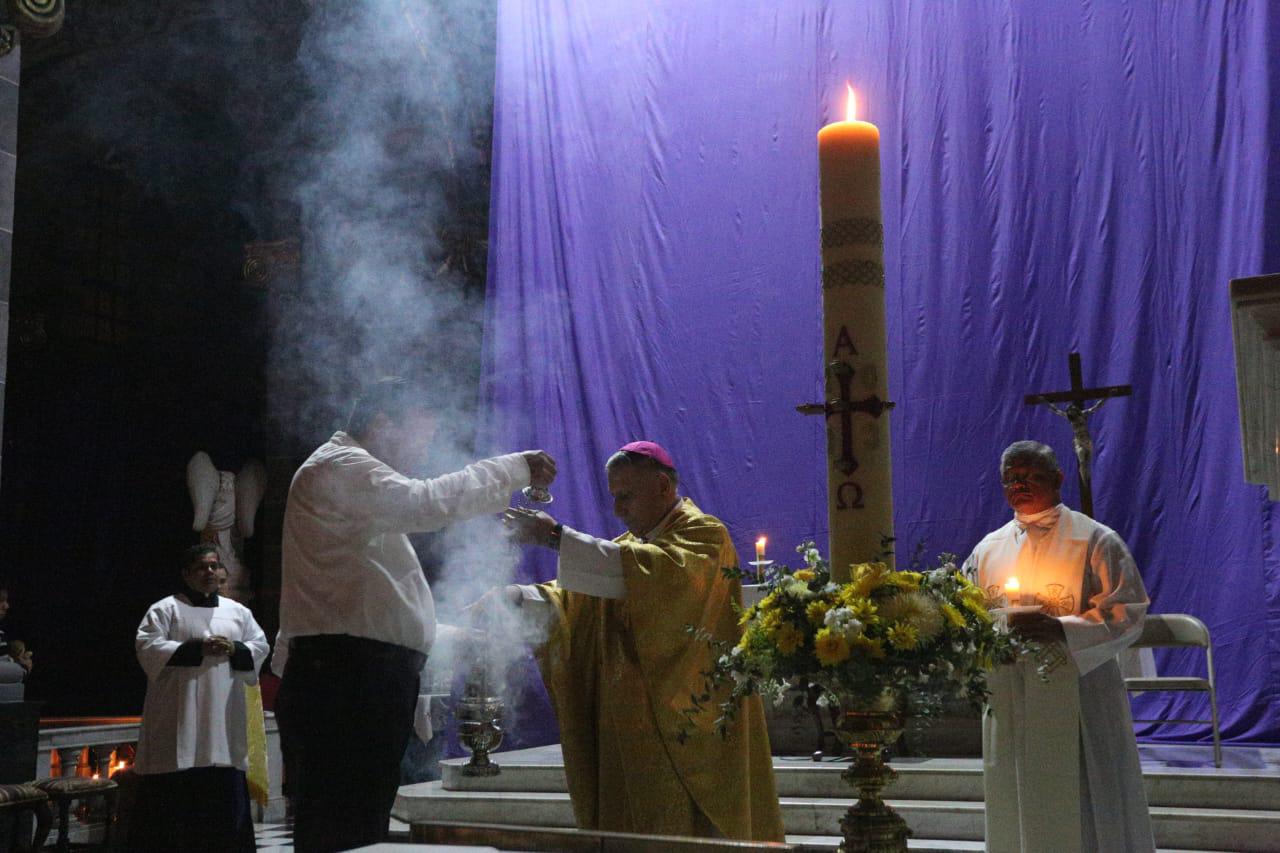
(1012, 591)
(760, 562)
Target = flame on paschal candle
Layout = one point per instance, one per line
(851, 104)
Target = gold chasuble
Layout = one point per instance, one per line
(619, 673)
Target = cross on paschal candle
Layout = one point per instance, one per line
(1078, 416)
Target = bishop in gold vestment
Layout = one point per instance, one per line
(620, 665)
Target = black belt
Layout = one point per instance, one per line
(363, 648)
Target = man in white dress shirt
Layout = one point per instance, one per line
(1061, 767)
(356, 615)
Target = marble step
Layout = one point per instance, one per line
(827, 843)
(951, 820)
(541, 770)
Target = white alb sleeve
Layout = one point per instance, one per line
(590, 566)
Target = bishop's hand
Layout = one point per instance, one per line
(530, 527)
(487, 606)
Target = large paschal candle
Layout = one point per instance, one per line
(859, 474)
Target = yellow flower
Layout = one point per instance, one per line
(904, 580)
(817, 611)
(805, 575)
(864, 610)
(787, 638)
(830, 647)
(866, 577)
(954, 616)
(903, 637)
(870, 647)
(747, 615)
(915, 609)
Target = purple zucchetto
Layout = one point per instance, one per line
(650, 449)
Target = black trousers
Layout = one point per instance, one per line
(345, 711)
(202, 810)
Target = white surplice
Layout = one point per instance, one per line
(194, 716)
(1080, 572)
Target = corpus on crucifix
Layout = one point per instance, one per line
(1078, 416)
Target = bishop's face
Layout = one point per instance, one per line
(641, 496)
(1029, 487)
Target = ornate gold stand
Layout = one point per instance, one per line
(869, 825)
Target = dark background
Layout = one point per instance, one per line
(156, 142)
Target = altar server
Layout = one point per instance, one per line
(197, 649)
(1060, 763)
(620, 665)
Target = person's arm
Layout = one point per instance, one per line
(154, 647)
(249, 653)
(587, 564)
(590, 565)
(394, 503)
(1112, 619)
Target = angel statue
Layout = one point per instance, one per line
(225, 504)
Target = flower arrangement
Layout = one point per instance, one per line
(919, 637)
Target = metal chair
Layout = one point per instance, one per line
(1179, 630)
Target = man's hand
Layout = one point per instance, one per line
(217, 646)
(24, 660)
(1037, 627)
(528, 527)
(477, 612)
(542, 468)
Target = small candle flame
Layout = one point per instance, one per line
(851, 105)
(762, 541)
(1012, 585)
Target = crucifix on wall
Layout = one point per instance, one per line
(1078, 416)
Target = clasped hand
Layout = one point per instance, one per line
(1037, 627)
(217, 645)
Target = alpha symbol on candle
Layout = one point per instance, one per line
(844, 341)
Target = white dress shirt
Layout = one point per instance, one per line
(348, 567)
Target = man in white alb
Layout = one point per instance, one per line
(1060, 763)
(356, 614)
(198, 649)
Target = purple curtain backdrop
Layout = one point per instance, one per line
(1057, 177)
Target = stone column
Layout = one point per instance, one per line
(10, 65)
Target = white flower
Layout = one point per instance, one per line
(798, 589)
(841, 619)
